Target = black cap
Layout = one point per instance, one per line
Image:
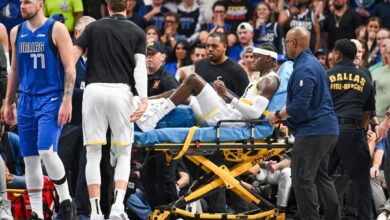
(155, 46)
(321, 51)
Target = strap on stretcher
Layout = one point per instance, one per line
(186, 145)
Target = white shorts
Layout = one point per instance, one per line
(214, 109)
(107, 104)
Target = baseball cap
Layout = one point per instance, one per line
(245, 26)
(155, 46)
(320, 51)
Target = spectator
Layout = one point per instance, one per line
(152, 34)
(133, 16)
(341, 23)
(301, 15)
(72, 10)
(171, 37)
(321, 56)
(154, 14)
(245, 39)
(266, 29)
(238, 11)
(218, 20)
(246, 63)
(190, 19)
(375, 56)
(95, 8)
(197, 53)
(330, 60)
(382, 51)
(180, 58)
(361, 32)
(372, 28)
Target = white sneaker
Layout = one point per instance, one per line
(149, 120)
(382, 216)
(97, 217)
(5, 210)
(118, 212)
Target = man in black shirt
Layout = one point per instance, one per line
(218, 66)
(353, 99)
(341, 23)
(159, 79)
(116, 63)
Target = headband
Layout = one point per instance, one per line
(265, 52)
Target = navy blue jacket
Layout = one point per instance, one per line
(309, 103)
(77, 99)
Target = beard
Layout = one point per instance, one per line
(30, 15)
(338, 6)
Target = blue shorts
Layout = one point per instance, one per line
(37, 122)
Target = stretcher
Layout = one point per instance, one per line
(245, 146)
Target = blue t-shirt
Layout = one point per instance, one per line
(39, 64)
(309, 103)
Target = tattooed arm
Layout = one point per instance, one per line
(63, 42)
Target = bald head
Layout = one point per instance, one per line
(297, 40)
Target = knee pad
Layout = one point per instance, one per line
(55, 168)
(122, 169)
(34, 175)
(92, 169)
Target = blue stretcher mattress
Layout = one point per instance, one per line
(208, 134)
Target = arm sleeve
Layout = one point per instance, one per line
(251, 109)
(302, 88)
(140, 75)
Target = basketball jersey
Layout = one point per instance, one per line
(39, 65)
(252, 91)
(187, 21)
(305, 20)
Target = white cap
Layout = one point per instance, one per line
(244, 26)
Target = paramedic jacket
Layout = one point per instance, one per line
(309, 103)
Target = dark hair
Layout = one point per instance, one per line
(346, 48)
(268, 46)
(172, 14)
(219, 3)
(155, 29)
(375, 19)
(117, 5)
(187, 59)
(199, 45)
(222, 37)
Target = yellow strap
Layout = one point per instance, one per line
(212, 113)
(186, 145)
(266, 113)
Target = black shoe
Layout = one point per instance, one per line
(68, 210)
(34, 216)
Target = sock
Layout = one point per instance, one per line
(165, 108)
(36, 203)
(95, 206)
(119, 196)
(63, 191)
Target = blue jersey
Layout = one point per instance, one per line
(39, 65)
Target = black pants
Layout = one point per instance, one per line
(310, 157)
(73, 156)
(352, 150)
(159, 180)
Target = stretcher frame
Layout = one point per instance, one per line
(246, 154)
